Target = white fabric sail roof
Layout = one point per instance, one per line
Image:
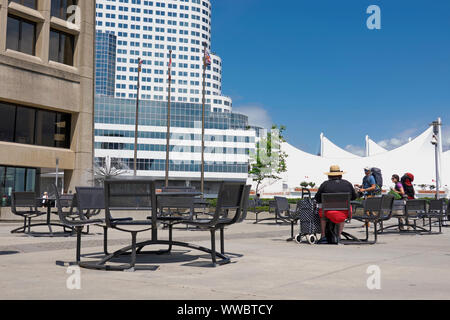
(416, 156)
(445, 169)
(374, 148)
(332, 151)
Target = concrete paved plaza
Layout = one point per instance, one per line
(264, 266)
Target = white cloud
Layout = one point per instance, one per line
(360, 151)
(257, 115)
(399, 140)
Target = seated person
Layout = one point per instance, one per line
(335, 184)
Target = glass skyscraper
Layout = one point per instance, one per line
(148, 30)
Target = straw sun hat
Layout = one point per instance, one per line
(335, 170)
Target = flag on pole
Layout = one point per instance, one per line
(140, 64)
(170, 65)
(207, 58)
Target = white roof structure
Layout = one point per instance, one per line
(330, 150)
(372, 148)
(416, 157)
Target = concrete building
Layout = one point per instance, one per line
(46, 93)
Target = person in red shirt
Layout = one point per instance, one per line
(334, 184)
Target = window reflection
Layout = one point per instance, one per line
(33, 126)
(21, 35)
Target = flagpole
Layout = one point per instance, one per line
(137, 117)
(202, 177)
(168, 121)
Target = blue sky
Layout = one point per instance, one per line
(314, 66)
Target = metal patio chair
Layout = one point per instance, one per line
(437, 209)
(24, 204)
(272, 206)
(284, 213)
(376, 210)
(416, 209)
(169, 216)
(126, 195)
(338, 202)
(247, 202)
(86, 199)
(231, 197)
(199, 203)
(237, 218)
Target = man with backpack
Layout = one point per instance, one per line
(370, 187)
(369, 184)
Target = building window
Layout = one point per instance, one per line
(61, 47)
(59, 8)
(15, 179)
(21, 35)
(34, 126)
(28, 3)
(7, 118)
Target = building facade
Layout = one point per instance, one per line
(46, 93)
(148, 30)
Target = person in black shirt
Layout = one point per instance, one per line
(334, 184)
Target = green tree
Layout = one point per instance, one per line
(269, 161)
(304, 184)
(312, 184)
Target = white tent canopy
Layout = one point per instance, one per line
(372, 148)
(416, 157)
(332, 151)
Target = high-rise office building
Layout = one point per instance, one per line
(46, 94)
(148, 30)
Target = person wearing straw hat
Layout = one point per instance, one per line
(334, 184)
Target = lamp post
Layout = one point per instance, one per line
(436, 141)
(137, 117)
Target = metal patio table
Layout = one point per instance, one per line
(101, 265)
(50, 203)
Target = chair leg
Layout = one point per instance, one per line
(213, 246)
(29, 224)
(133, 249)
(375, 232)
(105, 240)
(170, 236)
(79, 229)
(222, 241)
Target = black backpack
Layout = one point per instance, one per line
(376, 173)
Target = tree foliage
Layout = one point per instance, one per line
(269, 161)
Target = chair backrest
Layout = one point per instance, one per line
(178, 189)
(176, 202)
(437, 206)
(230, 197)
(415, 207)
(126, 194)
(379, 206)
(63, 201)
(245, 203)
(337, 202)
(89, 198)
(281, 204)
(22, 200)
